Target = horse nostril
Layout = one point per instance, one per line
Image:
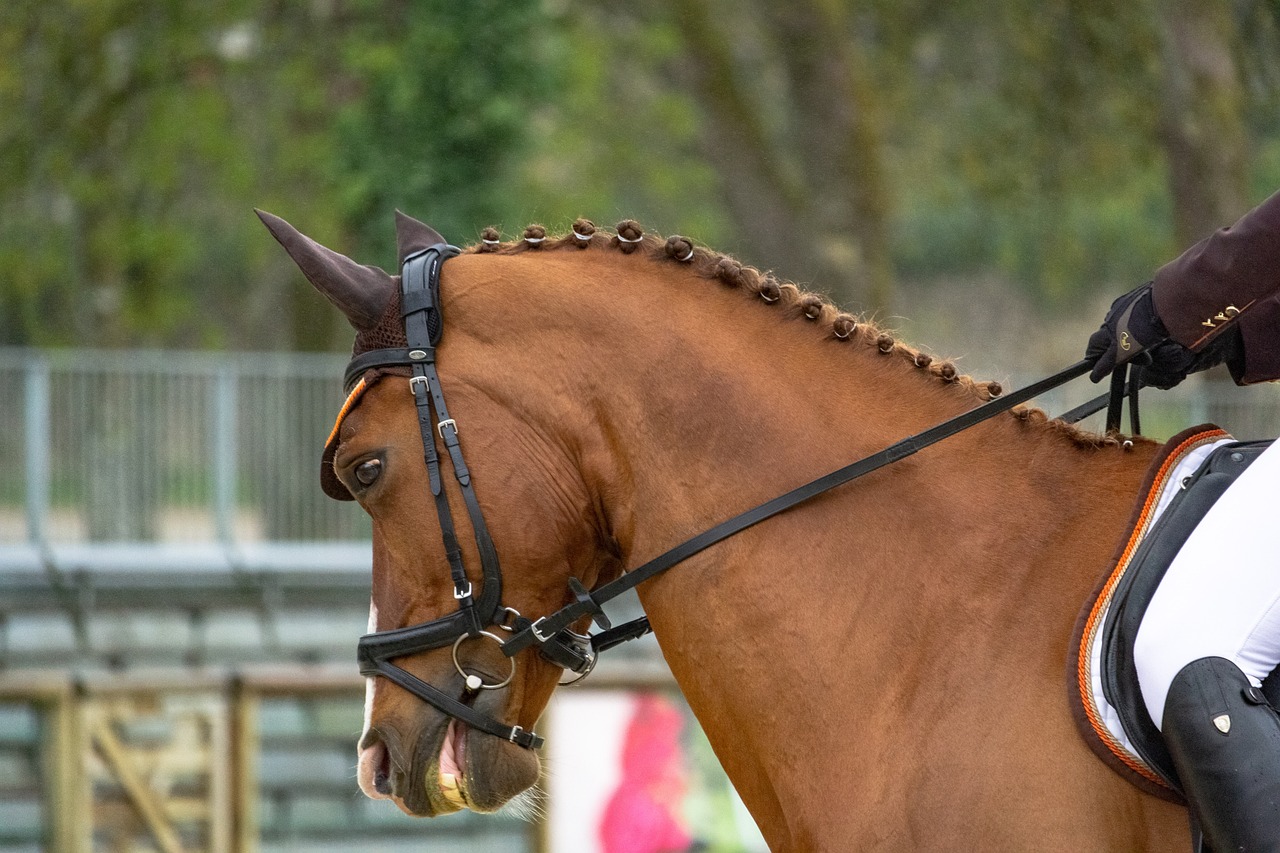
(382, 774)
(375, 765)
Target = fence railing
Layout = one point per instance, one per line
(119, 458)
(109, 457)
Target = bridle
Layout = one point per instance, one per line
(420, 310)
(552, 633)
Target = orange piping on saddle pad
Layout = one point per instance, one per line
(1084, 660)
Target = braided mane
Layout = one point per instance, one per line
(629, 238)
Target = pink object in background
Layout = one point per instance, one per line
(643, 815)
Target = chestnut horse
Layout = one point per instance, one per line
(880, 668)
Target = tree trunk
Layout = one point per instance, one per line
(807, 192)
(1204, 137)
(1202, 117)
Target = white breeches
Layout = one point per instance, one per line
(1221, 595)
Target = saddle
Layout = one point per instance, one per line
(1187, 476)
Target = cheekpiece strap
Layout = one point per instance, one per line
(420, 309)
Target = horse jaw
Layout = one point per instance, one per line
(360, 292)
(430, 766)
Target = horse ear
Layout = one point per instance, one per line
(414, 236)
(361, 293)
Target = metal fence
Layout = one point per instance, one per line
(167, 449)
(205, 762)
(183, 449)
(161, 524)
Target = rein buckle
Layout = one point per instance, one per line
(533, 629)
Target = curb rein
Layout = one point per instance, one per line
(423, 325)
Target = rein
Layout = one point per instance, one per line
(420, 283)
(585, 603)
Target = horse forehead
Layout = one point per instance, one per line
(383, 406)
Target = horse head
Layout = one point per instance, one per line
(533, 501)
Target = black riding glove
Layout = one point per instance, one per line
(1132, 330)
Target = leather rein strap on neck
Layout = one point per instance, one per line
(552, 634)
(591, 603)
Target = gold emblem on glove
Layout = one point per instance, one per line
(1124, 341)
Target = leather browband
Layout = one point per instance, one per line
(395, 357)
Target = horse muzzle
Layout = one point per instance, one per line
(432, 764)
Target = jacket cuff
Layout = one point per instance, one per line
(1259, 360)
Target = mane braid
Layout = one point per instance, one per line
(812, 308)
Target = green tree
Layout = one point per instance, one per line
(845, 145)
(1202, 120)
(139, 134)
(790, 120)
(438, 117)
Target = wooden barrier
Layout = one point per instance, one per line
(188, 761)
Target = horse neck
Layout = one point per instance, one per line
(691, 402)
(704, 402)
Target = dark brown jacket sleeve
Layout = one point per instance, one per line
(1230, 280)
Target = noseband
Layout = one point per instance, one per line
(551, 634)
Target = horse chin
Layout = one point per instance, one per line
(454, 767)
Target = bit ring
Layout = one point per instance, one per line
(474, 682)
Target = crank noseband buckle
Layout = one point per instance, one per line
(583, 658)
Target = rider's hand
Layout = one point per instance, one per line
(1132, 330)
(1130, 327)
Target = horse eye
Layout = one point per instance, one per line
(368, 471)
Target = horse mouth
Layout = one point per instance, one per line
(451, 768)
(428, 781)
(444, 766)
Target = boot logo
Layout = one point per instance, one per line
(1222, 723)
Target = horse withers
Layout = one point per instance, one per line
(880, 668)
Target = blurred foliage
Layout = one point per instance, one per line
(436, 121)
(1066, 145)
(139, 135)
(1030, 143)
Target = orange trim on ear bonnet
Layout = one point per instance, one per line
(329, 481)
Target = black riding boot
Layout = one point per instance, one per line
(1225, 743)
